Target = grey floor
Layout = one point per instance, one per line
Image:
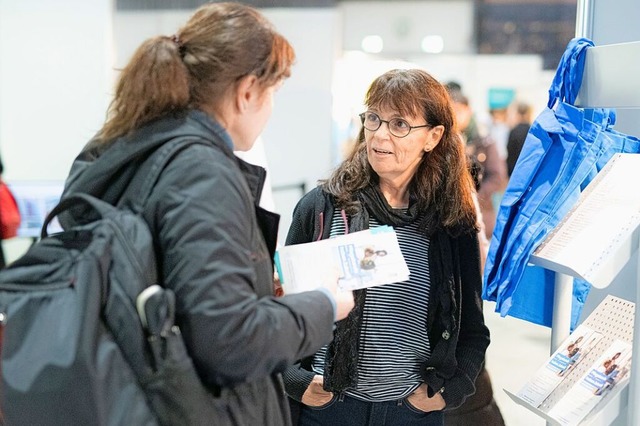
(518, 348)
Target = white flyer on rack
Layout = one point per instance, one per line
(605, 220)
(357, 260)
(610, 370)
(562, 362)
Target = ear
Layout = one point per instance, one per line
(435, 134)
(246, 92)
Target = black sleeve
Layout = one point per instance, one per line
(303, 221)
(234, 331)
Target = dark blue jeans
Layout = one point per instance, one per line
(346, 411)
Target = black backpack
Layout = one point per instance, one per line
(86, 333)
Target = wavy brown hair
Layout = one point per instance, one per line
(442, 185)
(221, 43)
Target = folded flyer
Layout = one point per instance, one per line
(357, 260)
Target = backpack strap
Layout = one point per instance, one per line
(147, 176)
(140, 182)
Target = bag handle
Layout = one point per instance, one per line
(102, 207)
(568, 79)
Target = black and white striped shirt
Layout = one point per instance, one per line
(393, 340)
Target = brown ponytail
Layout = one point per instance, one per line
(154, 83)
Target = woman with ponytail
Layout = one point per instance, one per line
(212, 82)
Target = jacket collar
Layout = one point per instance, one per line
(255, 177)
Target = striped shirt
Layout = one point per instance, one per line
(393, 340)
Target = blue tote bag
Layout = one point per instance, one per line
(565, 148)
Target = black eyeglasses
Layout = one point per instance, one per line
(398, 127)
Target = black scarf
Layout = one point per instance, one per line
(377, 206)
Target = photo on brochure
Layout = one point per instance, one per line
(366, 265)
(609, 371)
(568, 355)
(357, 260)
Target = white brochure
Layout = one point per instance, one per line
(357, 260)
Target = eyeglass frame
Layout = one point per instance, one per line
(362, 116)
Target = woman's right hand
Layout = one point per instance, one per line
(315, 395)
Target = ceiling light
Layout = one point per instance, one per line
(432, 44)
(372, 44)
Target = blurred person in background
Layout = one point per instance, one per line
(483, 150)
(498, 127)
(3, 261)
(481, 408)
(518, 134)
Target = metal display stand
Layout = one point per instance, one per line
(594, 241)
(609, 81)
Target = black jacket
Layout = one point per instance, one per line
(458, 349)
(214, 255)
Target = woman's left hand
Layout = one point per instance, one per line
(420, 400)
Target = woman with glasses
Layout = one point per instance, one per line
(411, 349)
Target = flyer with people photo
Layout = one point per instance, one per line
(357, 260)
(609, 371)
(570, 353)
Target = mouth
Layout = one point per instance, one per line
(381, 151)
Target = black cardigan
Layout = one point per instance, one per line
(458, 335)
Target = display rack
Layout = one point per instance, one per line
(614, 319)
(594, 241)
(600, 69)
(609, 81)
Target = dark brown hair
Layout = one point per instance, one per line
(221, 43)
(442, 185)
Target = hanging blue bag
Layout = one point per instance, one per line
(565, 148)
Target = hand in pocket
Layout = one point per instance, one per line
(421, 401)
(315, 395)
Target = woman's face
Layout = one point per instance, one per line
(397, 159)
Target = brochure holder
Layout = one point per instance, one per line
(600, 233)
(594, 241)
(612, 321)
